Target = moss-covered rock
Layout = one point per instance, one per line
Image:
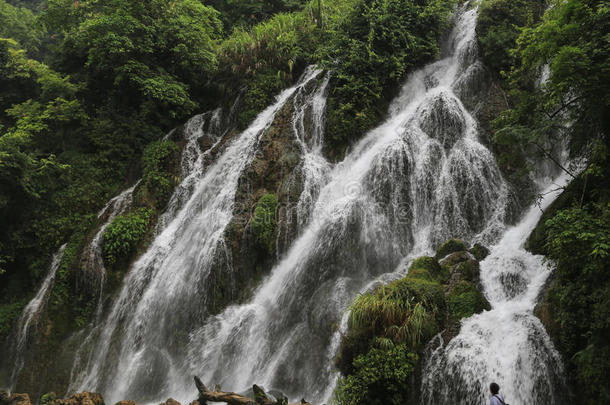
(465, 300)
(479, 251)
(419, 272)
(432, 298)
(452, 245)
(427, 263)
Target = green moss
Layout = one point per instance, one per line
(427, 263)
(469, 269)
(48, 398)
(451, 246)
(479, 251)
(264, 221)
(69, 307)
(420, 273)
(124, 233)
(260, 94)
(465, 300)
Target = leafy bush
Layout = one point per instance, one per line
(124, 233)
(263, 221)
(498, 27)
(578, 241)
(380, 377)
(158, 169)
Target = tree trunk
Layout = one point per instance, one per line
(231, 398)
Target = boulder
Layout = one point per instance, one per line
(81, 398)
(170, 401)
(14, 399)
(452, 245)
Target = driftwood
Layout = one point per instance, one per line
(232, 398)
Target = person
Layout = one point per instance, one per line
(496, 398)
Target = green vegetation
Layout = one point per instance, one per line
(389, 327)
(124, 233)
(451, 246)
(572, 106)
(498, 28)
(370, 51)
(264, 221)
(19, 23)
(576, 306)
(159, 170)
(465, 300)
(379, 377)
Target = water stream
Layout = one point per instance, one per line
(419, 178)
(30, 317)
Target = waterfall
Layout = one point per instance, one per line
(137, 350)
(92, 261)
(419, 178)
(29, 316)
(507, 345)
(416, 180)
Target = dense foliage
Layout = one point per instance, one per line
(159, 169)
(569, 49)
(124, 233)
(370, 52)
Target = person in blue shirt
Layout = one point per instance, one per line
(496, 398)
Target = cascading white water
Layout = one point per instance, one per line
(138, 349)
(418, 179)
(309, 133)
(29, 316)
(92, 261)
(507, 345)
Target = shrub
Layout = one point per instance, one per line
(263, 221)
(408, 311)
(381, 377)
(498, 27)
(370, 52)
(578, 241)
(158, 167)
(124, 233)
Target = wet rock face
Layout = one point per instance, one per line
(443, 120)
(271, 171)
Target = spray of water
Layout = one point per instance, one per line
(31, 316)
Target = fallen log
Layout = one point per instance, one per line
(232, 398)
